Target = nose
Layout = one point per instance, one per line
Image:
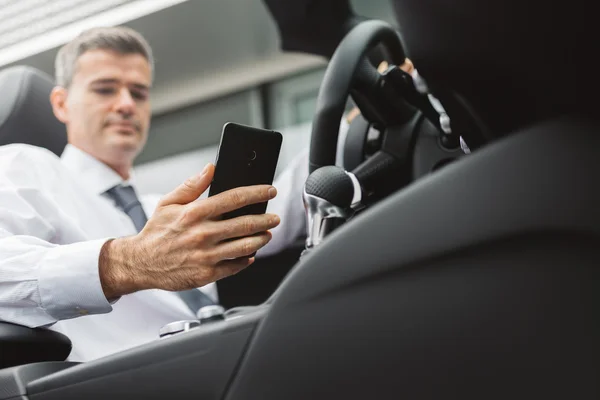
(125, 103)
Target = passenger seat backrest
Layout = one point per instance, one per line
(26, 117)
(25, 112)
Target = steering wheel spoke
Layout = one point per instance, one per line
(377, 96)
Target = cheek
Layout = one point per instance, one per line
(77, 117)
(94, 117)
(144, 117)
(86, 113)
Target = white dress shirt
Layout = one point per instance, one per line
(53, 223)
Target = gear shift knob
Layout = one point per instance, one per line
(330, 193)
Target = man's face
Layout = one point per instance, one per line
(107, 107)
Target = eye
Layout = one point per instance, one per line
(139, 95)
(104, 90)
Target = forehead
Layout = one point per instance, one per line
(107, 64)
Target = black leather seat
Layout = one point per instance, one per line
(26, 117)
(25, 112)
(481, 281)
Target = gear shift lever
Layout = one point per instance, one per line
(330, 198)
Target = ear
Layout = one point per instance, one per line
(58, 99)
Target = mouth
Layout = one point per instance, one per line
(124, 127)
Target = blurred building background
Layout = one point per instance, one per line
(216, 61)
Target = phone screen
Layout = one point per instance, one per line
(247, 156)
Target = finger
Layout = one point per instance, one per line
(231, 267)
(408, 66)
(237, 198)
(242, 247)
(191, 189)
(352, 114)
(243, 226)
(382, 67)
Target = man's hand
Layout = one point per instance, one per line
(186, 244)
(407, 67)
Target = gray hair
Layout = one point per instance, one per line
(122, 40)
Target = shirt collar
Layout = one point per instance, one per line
(97, 175)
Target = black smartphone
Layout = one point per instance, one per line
(247, 156)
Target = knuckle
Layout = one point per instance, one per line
(238, 197)
(187, 185)
(227, 230)
(187, 215)
(248, 225)
(212, 259)
(266, 238)
(201, 236)
(248, 246)
(204, 261)
(203, 208)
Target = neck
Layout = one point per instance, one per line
(123, 168)
(124, 171)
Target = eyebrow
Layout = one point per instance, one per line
(113, 81)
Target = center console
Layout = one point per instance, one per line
(200, 361)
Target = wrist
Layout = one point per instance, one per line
(117, 276)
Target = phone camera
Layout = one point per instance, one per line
(251, 155)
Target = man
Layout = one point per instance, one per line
(69, 258)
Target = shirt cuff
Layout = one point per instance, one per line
(69, 281)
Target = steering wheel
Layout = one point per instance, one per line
(413, 142)
(390, 102)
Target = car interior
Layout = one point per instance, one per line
(429, 269)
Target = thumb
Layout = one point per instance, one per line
(191, 189)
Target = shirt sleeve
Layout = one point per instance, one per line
(41, 281)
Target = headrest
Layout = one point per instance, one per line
(511, 62)
(25, 112)
(312, 26)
